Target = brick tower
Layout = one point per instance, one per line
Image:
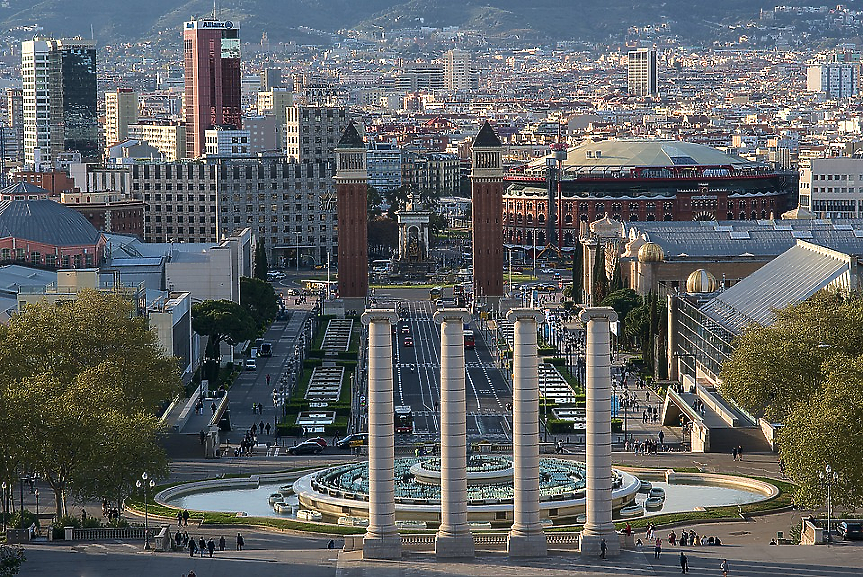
(487, 216)
(353, 259)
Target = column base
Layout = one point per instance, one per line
(389, 547)
(454, 546)
(527, 545)
(592, 544)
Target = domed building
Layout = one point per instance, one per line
(701, 282)
(639, 179)
(40, 232)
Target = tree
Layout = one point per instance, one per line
(11, 559)
(577, 273)
(623, 301)
(221, 321)
(68, 372)
(600, 277)
(374, 200)
(259, 299)
(616, 277)
(261, 265)
(804, 371)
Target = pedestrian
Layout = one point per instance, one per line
(672, 538)
(192, 573)
(240, 542)
(739, 452)
(684, 563)
(192, 547)
(202, 545)
(211, 546)
(185, 518)
(178, 539)
(179, 518)
(657, 548)
(724, 567)
(261, 428)
(331, 544)
(268, 379)
(603, 548)
(213, 406)
(267, 427)
(734, 453)
(683, 539)
(222, 543)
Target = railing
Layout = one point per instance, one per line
(108, 533)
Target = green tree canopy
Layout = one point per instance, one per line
(74, 377)
(622, 301)
(804, 371)
(259, 299)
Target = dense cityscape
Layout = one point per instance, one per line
(442, 289)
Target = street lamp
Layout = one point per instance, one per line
(828, 477)
(36, 494)
(145, 483)
(5, 505)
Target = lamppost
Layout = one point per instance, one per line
(36, 494)
(145, 483)
(828, 477)
(5, 505)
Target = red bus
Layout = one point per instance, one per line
(404, 420)
(469, 341)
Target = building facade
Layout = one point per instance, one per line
(835, 80)
(167, 136)
(458, 71)
(640, 180)
(211, 51)
(121, 110)
(642, 76)
(226, 141)
(108, 211)
(312, 132)
(832, 187)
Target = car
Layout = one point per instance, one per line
(319, 440)
(851, 531)
(406, 330)
(306, 448)
(251, 365)
(409, 342)
(354, 440)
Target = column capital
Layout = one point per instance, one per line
(452, 315)
(591, 313)
(525, 314)
(380, 315)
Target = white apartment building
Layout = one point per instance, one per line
(458, 71)
(226, 142)
(832, 187)
(275, 102)
(121, 110)
(167, 137)
(35, 73)
(835, 79)
(642, 76)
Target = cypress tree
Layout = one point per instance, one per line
(260, 271)
(600, 278)
(578, 273)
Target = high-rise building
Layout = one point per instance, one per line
(642, 78)
(275, 102)
(312, 132)
(834, 79)
(271, 78)
(211, 51)
(59, 97)
(458, 71)
(167, 136)
(351, 183)
(121, 110)
(12, 135)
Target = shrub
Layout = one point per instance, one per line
(23, 519)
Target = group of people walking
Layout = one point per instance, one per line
(182, 542)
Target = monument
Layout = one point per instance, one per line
(413, 260)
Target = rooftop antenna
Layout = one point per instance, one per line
(92, 36)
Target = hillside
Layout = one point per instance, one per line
(114, 20)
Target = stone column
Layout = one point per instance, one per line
(599, 525)
(382, 540)
(526, 537)
(454, 538)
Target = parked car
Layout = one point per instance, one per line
(354, 440)
(319, 440)
(851, 531)
(251, 365)
(306, 448)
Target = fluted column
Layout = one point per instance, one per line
(382, 540)
(526, 537)
(599, 525)
(453, 538)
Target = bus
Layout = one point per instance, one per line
(404, 420)
(469, 341)
(435, 293)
